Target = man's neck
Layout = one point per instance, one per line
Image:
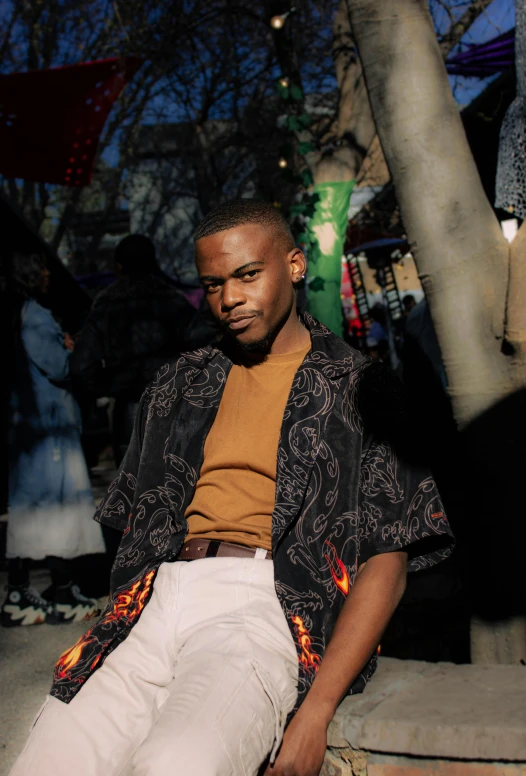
(292, 337)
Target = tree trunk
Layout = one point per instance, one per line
(516, 305)
(456, 239)
(474, 288)
(353, 130)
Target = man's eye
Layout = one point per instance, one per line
(211, 287)
(251, 273)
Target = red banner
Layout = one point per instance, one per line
(51, 120)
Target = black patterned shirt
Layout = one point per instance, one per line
(345, 491)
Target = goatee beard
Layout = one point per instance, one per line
(261, 347)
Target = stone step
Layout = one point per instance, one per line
(437, 710)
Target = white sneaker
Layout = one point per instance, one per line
(24, 606)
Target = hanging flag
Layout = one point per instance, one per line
(51, 120)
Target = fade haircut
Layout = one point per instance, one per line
(245, 211)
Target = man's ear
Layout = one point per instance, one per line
(297, 263)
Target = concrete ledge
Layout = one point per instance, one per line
(384, 765)
(437, 710)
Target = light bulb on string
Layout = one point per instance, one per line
(284, 82)
(282, 163)
(278, 22)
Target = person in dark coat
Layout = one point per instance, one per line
(135, 325)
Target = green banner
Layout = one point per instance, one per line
(327, 229)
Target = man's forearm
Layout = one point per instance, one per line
(371, 602)
(362, 620)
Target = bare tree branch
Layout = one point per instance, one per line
(459, 28)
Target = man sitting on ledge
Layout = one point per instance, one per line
(266, 532)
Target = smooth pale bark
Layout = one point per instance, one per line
(352, 131)
(458, 245)
(516, 306)
(353, 128)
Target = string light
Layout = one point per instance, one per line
(282, 163)
(278, 22)
(284, 82)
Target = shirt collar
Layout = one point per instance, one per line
(329, 354)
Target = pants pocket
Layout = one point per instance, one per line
(246, 723)
(279, 708)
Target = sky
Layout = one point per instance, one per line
(498, 18)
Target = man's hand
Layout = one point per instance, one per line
(304, 745)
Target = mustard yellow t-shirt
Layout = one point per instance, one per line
(235, 494)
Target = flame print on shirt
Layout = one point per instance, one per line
(127, 606)
(308, 659)
(70, 658)
(337, 568)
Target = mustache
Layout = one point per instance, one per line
(224, 322)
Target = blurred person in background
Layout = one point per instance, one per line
(50, 497)
(134, 327)
(408, 302)
(377, 337)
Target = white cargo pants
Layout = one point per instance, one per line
(201, 686)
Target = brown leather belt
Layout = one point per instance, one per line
(195, 549)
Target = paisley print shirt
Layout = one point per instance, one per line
(343, 494)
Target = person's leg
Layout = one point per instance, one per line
(18, 572)
(112, 540)
(69, 604)
(96, 733)
(236, 675)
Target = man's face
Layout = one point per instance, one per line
(248, 276)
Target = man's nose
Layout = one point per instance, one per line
(232, 295)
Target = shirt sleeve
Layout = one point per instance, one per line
(400, 509)
(44, 342)
(115, 509)
(398, 502)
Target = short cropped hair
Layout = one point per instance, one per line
(136, 255)
(26, 271)
(245, 211)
